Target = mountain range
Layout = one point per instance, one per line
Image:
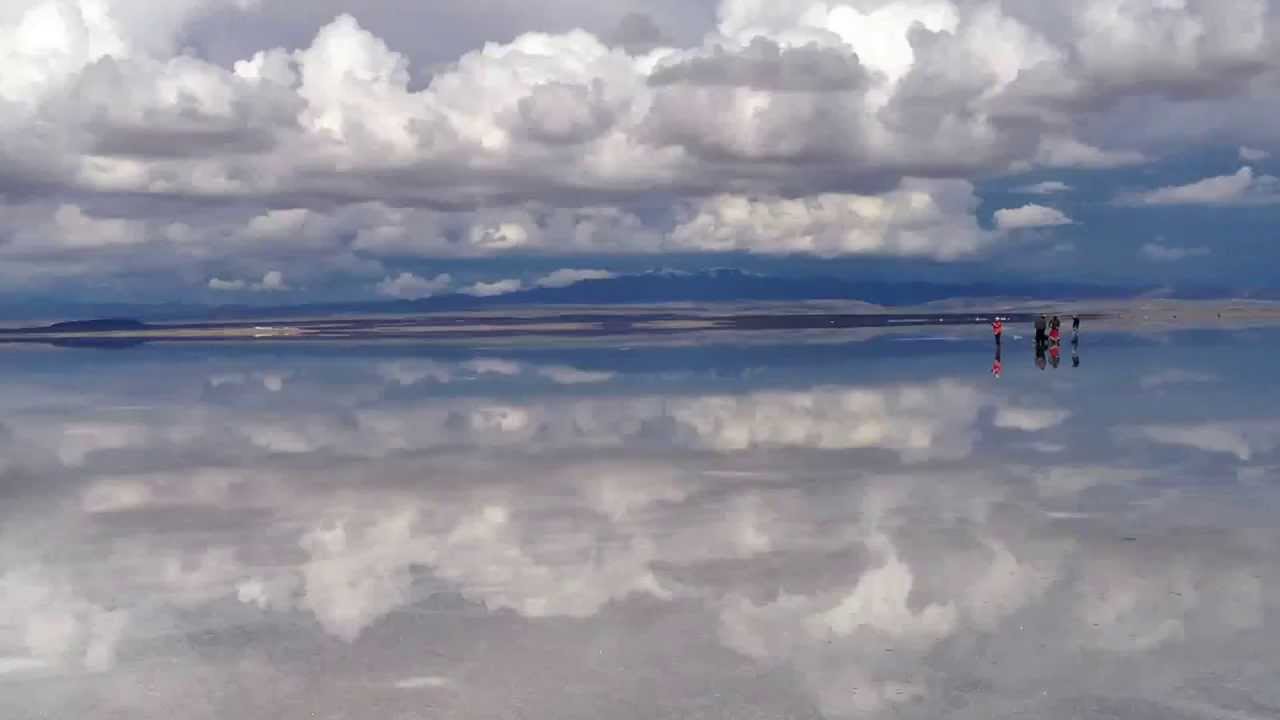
(724, 285)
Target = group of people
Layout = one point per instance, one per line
(1054, 325)
(1048, 342)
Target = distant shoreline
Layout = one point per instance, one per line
(614, 321)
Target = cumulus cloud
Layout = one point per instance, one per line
(408, 286)
(819, 128)
(493, 289)
(921, 218)
(570, 276)
(1240, 189)
(766, 65)
(1029, 216)
(273, 281)
(1158, 252)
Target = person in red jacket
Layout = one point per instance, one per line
(997, 329)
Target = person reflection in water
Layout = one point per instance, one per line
(1055, 355)
(997, 367)
(1040, 348)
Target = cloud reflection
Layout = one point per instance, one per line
(880, 549)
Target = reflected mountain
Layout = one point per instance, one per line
(857, 532)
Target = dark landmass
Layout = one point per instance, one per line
(104, 325)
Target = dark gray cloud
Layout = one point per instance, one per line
(560, 113)
(637, 32)
(765, 65)
(110, 104)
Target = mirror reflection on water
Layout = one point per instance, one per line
(902, 527)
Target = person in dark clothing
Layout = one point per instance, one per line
(1041, 324)
(1075, 324)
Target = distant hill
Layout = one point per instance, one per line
(648, 288)
(83, 326)
(712, 286)
(104, 325)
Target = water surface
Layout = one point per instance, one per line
(875, 529)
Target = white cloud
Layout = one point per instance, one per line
(492, 289)
(1029, 216)
(1158, 252)
(408, 286)
(226, 285)
(272, 281)
(1048, 187)
(819, 128)
(54, 627)
(1065, 152)
(921, 218)
(568, 276)
(1253, 155)
(1241, 189)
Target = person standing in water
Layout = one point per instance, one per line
(1075, 326)
(1055, 330)
(1040, 328)
(997, 329)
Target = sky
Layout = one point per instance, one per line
(268, 151)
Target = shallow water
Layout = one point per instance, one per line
(870, 529)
